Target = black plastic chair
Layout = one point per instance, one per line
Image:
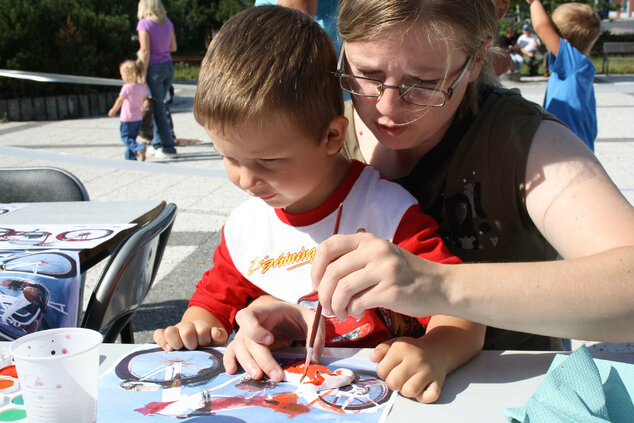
(39, 184)
(127, 278)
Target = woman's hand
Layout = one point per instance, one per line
(357, 272)
(266, 326)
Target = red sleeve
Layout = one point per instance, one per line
(417, 233)
(223, 291)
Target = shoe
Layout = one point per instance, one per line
(141, 155)
(160, 154)
(152, 150)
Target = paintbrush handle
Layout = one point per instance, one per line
(313, 333)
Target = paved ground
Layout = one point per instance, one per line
(195, 181)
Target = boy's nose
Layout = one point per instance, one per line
(248, 178)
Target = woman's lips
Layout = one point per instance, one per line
(391, 131)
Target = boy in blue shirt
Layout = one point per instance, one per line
(569, 36)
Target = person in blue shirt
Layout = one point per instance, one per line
(323, 11)
(569, 36)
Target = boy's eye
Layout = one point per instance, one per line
(268, 161)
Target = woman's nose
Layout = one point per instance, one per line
(389, 102)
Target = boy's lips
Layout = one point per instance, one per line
(265, 197)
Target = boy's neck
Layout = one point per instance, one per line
(332, 180)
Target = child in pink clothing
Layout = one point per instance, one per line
(131, 101)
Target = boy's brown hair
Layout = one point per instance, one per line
(578, 23)
(266, 62)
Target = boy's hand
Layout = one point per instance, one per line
(190, 335)
(112, 112)
(264, 327)
(411, 367)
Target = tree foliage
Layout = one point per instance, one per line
(91, 37)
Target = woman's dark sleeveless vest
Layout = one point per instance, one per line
(472, 183)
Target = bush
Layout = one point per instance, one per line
(60, 36)
(91, 38)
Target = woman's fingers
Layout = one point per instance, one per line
(339, 271)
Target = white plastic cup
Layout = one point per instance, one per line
(58, 370)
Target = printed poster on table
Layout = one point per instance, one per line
(62, 236)
(151, 385)
(38, 290)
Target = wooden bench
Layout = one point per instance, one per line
(616, 50)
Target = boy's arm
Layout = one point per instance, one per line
(418, 367)
(116, 106)
(544, 27)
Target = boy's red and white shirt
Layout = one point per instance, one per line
(267, 250)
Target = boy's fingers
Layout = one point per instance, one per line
(173, 338)
(160, 339)
(249, 365)
(431, 393)
(218, 336)
(229, 361)
(252, 329)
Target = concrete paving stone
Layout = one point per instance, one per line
(195, 181)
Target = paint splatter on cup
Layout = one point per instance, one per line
(58, 370)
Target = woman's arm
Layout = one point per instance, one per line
(144, 51)
(173, 45)
(588, 295)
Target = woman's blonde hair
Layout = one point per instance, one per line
(463, 24)
(133, 68)
(153, 10)
(269, 61)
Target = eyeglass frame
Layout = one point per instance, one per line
(403, 88)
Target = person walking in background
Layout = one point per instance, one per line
(529, 45)
(157, 40)
(569, 36)
(131, 98)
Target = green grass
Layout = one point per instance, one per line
(617, 67)
(189, 71)
(186, 71)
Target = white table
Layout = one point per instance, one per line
(479, 391)
(88, 212)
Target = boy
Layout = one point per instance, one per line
(268, 98)
(574, 29)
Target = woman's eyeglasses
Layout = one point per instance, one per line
(413, 94)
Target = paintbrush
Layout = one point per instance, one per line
(313, 333)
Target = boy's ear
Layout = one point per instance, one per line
(335, 134)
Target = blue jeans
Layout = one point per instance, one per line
(129, 132)
(159, 79)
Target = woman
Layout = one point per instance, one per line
(511, 188)
(157, 40)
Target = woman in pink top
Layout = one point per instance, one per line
(131, 102)
(157, 40)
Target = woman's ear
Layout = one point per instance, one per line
(479, 59)
(335, 134)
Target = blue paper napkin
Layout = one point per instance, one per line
(579, 389)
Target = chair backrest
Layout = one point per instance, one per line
(127, 278)
(39, 184)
